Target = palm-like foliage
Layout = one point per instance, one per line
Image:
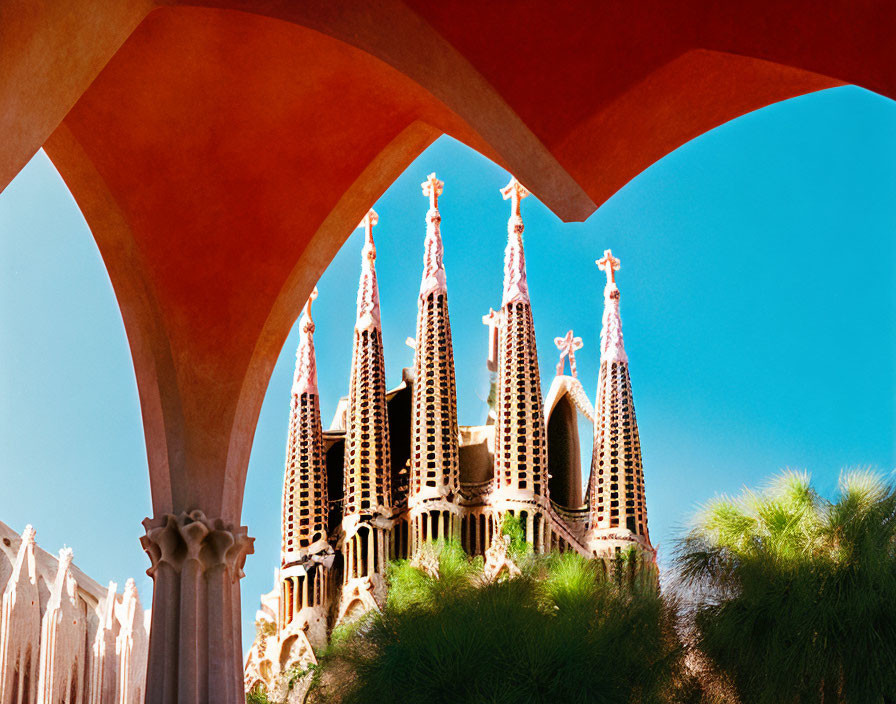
(561, 632)
(796, 595)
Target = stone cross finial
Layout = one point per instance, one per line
(515, 191)
(568, 346)
(493, 319)
(368, 296)
(608, 264)
(516, 290)
(368, 223)
(305, 379)
(432, 187)
(433, 279)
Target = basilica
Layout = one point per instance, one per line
(395, 469)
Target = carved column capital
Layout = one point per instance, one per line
(194, 644)
(176, 539)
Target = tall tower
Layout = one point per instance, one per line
(305, 553)
(435, 476)
(367, 464)
(520, 449)
(617, 511)
(367, 451)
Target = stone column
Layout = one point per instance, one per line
(195, 640)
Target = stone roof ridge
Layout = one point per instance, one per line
(305, 379)
(580, 399)
(515, 287)
(571, 386)
(368, 293)
(433, 279)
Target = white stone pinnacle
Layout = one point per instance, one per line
(305, 379)
(515, 287)
(612, 348)
(368, 294)
(433, 267)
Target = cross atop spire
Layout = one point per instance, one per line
(433, 267)
(368, 222)
(608, 264)
(305, 379)
(432, 187)
(368, 295)
(611, 346)
(515, 191)
(491, 319)
(516, 289)
(308, 324)
(568, 346)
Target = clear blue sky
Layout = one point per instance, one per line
(758, 306)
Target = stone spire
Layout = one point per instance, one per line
(612, 348)
(367, 452)
(132, 646)
(515, 286)
(434, 431)
(103, 665)
(305, 510)
(63, 643)
(20, 627)
(520, 450)
(368, 293)
(305, 379)
(617, 510)
(433, 268)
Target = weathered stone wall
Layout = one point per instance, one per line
(63, 637)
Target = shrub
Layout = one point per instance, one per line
(560, 633)
(794, 595)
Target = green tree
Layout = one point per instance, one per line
(794, 595)
(561, 632)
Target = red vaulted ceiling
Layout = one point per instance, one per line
(222, 154)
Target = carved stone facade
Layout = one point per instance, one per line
(394, 470)
(63, 637)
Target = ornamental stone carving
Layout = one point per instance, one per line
(175, 540)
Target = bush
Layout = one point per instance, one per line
(794, 595)
(560, 633)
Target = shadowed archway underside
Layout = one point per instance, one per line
(221, 154)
